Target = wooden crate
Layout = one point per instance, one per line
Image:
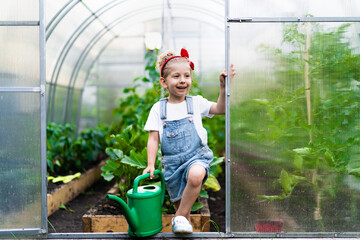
(69, 191)
(118, 223)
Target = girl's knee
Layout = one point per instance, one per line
(196, 175)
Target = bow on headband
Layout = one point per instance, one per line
(183, 53)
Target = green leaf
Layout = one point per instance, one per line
(285, 181)
(216, 161)
(303, 151)
(271, 198)
(66, 179)
(261, 101)
(203, 194)
(355, 172)
(212, 183)
(110, 166)
(62, 206)
(136, 160)
(107, 176)
(298, 161)
(114, 153)
(197, 206)
(329, 158)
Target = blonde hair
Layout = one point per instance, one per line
(165, 56)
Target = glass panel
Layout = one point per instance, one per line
(19, 10)
(294, 8)
(295, 128)
(20, 161)
(19, 58)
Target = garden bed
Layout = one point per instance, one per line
(65, 221)
(96, 221)
(71, 190)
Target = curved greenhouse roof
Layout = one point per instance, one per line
(104, 42)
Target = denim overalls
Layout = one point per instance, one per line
(181, 147)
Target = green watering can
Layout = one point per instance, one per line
(144, 211)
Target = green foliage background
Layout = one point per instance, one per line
(308, 153)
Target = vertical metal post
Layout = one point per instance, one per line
(42, 37)
(227, 120)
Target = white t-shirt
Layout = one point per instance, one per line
(201, 108)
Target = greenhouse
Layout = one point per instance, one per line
(78, 81)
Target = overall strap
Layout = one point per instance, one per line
(163, 102)
(189, 104)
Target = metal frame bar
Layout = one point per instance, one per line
(227, 123)
(307, 235)
(292, 19)
(27, 232)
(19, 23)
(49, 27)
(162, 235)
(209, 235)
(42, 44)
(20, 89)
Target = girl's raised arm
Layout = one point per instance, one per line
(219, 106)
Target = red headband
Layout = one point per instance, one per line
(183, 53)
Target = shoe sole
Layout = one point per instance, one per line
(183, 231)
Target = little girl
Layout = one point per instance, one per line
(176, 121)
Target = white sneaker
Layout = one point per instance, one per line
(181, 225)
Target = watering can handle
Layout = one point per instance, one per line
(147, 175)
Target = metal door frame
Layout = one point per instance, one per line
(38, 232)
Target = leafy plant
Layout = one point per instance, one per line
(324, 145)
(58, 143)
(64, 154)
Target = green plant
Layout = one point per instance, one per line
(319, 132)
(51, 226)
(62, 206)
(65, 154)
(90, 147)
(59, 152)
(216, 226)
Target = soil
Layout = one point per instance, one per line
(69, 220)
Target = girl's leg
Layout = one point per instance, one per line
(191, 192)
(177, 204)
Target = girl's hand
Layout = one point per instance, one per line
(151, 170)
(223, 75)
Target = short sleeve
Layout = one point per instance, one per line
(152, 123)
(204, 106)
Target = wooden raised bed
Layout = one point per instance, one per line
(118, 223)
(69, 191)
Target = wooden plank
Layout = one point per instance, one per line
(118, 223)
(71, 190)
(205, 215)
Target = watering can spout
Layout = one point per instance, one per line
(129, 214)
